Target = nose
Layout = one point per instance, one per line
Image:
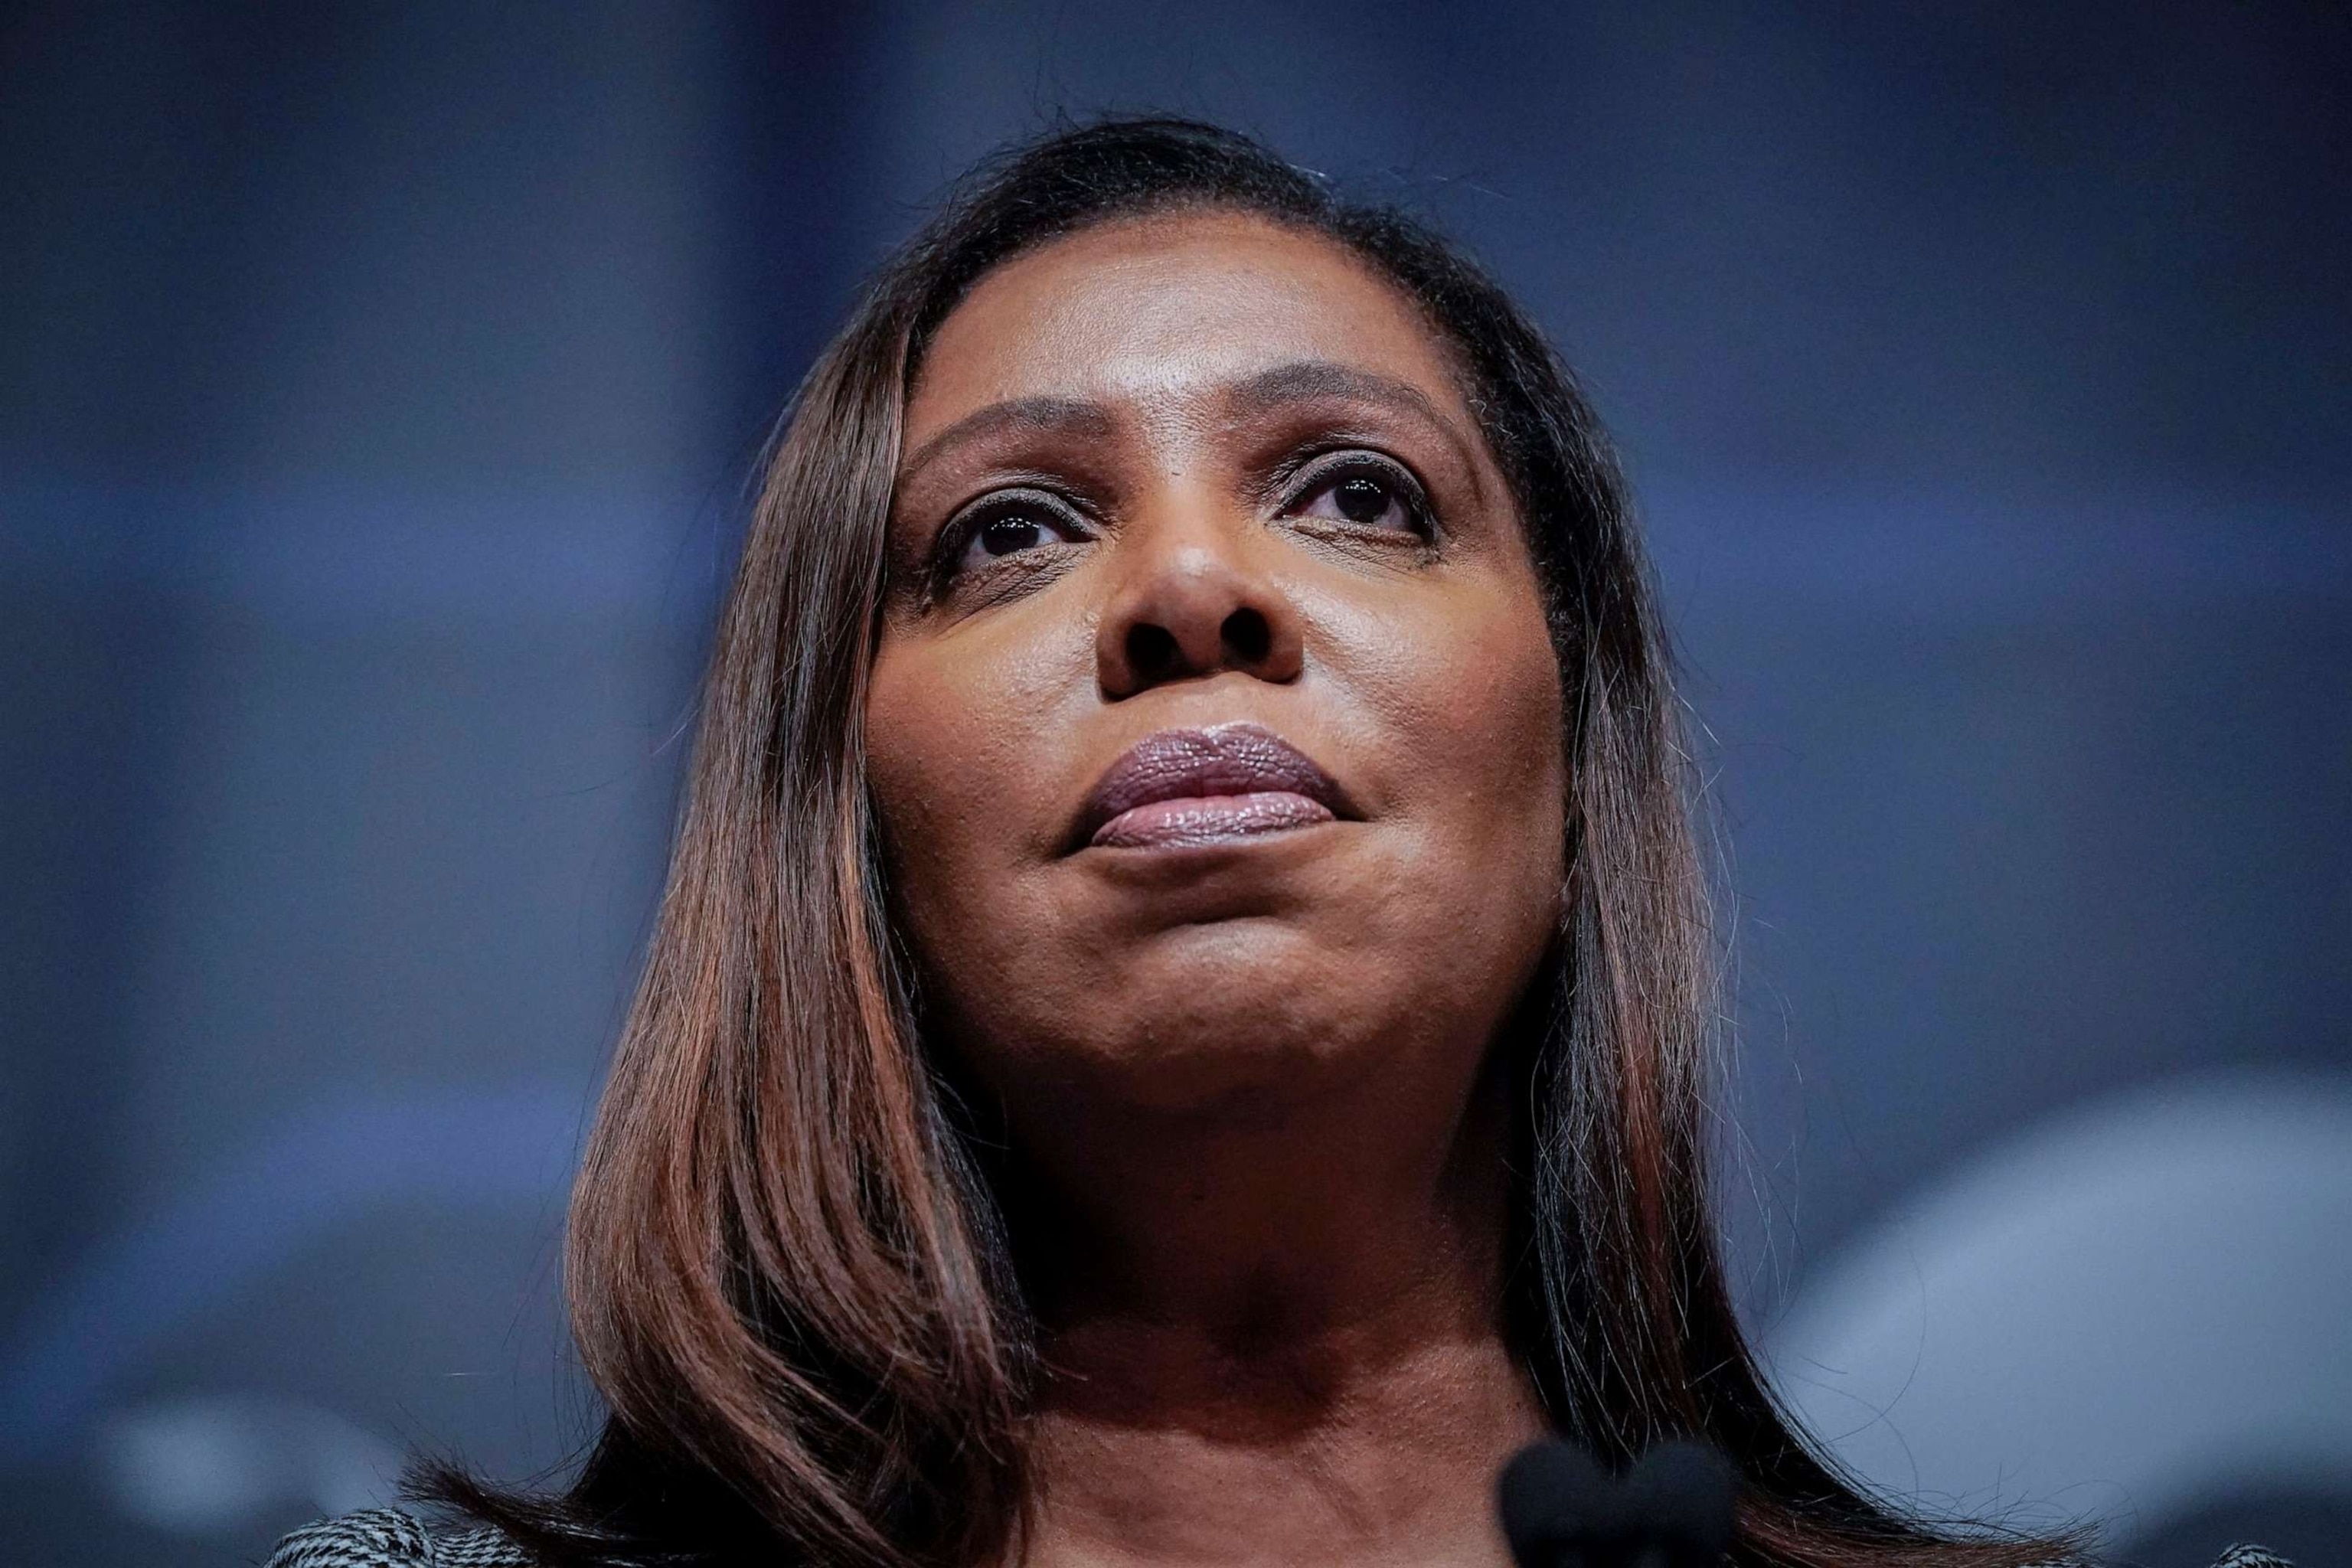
(1194, 600)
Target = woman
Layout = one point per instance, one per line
(1178, 1024)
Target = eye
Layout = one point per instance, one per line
(1005, 535)
(1364, 492)
(1003, 525)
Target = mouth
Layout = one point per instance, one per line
(1186, 787)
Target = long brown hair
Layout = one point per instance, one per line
(787, 1271)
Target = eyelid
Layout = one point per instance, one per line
(955, 535)
(992, 504)
(1305, 476)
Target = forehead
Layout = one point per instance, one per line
(1159, 310)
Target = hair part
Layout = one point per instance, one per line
(789, 1276)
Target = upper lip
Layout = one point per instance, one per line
(1222, 760)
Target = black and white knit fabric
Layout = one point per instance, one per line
(386, 1538)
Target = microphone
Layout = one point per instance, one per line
(1672, 1510)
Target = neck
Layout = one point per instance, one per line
(1275, 1338)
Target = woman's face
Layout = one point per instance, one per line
(1214, 728)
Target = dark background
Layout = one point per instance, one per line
(377, 385)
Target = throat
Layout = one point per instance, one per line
(1171, 1448)
(1258, 1362)
(1271, 1339)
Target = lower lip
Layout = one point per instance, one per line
(1209, 819)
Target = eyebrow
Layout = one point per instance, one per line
(1307, 381)
(1298, 381)
(1304, 381)
(1035, 416)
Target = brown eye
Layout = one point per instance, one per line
(1364, 495)
(1007, 534)
(1011, 525)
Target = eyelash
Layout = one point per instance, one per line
(955, 539)
(1312, 475)
(1306, 477)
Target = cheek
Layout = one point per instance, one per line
(1498, 753)
(955, 741)
(930, 764)
(1500, 744)
(1466, 694)
(1470, 691)
(1496, 731)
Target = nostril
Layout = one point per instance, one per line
(1247, 635)
(1151, 651)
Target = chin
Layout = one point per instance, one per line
(1238, 1086)
(1225, 1017)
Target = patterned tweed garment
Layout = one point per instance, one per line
(386, 1538)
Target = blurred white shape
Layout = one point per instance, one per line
(2121, 1313)
(206, 1465)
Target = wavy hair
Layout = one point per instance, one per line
(789, 1278)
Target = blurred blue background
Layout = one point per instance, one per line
(377, 386)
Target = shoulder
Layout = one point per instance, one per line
(387, 1538)
(2240, 1556)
